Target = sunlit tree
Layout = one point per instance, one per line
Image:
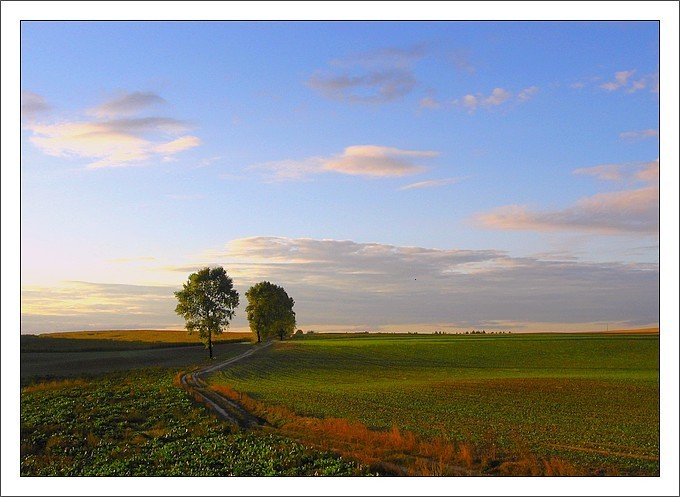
(207, 303)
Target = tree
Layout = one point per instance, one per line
(270, 311)
(207, 302)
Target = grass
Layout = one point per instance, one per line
(141, 424)
(588, 404)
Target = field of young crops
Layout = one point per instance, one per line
(140, 424)
(591, 400)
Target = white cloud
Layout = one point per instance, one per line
(358, 160)
(113, 142)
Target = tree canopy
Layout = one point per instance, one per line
(270, 311)
(207, 302)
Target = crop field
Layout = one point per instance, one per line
(591, 401)
(59, 355)
(119, 340)
(141, 424)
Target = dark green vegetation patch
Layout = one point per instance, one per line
(140, 424)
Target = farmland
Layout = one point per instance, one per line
(345, 404)
(141, 424)
(77, 354)
(589, 400)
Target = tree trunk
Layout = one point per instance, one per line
(210, 343)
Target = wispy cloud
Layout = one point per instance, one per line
(624, 212)
(638, 171)
(431, 183)
(77, 305)
(623, 80)
(429, 103)
(110, 141)
(126, 104)
(498, 97)
(461, 60)
(635, 136)
(33, 105)
(357, 160)
(620, 80)
(377, 76)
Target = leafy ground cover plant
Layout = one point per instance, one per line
(140, 424)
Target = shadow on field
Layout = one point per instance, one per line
(66, 358)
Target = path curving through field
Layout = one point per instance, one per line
(225, 408)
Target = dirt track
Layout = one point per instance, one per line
(222, 406)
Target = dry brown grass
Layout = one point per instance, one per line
(54, 385)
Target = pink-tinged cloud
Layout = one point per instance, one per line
(496, 98)
(635, 136)
(647, 172)
(357, 160)
(625, 212)
(429, 103)
(376, 161)
(620, 80)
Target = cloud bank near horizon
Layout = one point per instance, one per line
(347, 284)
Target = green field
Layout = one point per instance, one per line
(591, 400)
(141, 424)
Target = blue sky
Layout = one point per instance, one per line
(390, 175)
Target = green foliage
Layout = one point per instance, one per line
(207, 303)
(270, 311)
(591, 400)
(140, 424)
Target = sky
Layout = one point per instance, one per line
(391, 176)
